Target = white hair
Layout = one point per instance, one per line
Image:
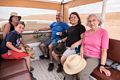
(97, 16)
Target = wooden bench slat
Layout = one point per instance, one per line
(114, 50)
(114, 55)
(114, 76)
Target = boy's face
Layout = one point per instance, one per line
(19, 28)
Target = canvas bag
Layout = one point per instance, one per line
(59, 48)
(30, 51)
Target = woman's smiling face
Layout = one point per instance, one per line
(93, 22)
(73, 19)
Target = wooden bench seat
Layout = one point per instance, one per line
(14, 70)
(114, 76)
(114, 55)
(20, 76)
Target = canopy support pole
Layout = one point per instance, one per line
(103, 11)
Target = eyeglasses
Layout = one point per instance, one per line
(94, 20)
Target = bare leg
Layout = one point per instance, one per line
(27, 61)
(56, 57)
(51, 64)
(63, 58)
(42, 48)
(50, 52)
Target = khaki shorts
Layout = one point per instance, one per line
(69, 52)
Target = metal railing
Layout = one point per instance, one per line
(31, 32)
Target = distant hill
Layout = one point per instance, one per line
(112, 22)
(3, 19)
(50, 17)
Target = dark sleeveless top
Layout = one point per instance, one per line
(2, 41)
(11, 27)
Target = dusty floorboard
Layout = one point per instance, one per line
(41, 73)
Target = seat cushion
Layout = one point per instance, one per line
(11, 67)
(115, 75)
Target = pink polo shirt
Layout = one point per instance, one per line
(94, 43)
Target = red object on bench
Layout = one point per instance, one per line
(114, 55)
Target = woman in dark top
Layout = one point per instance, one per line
(73, 34)
(10, 26)
(72, 40)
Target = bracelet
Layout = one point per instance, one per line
(102, 65)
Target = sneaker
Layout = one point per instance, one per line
(33, 78)
(64, 78)
(46, 57)
(60, 68)
(51, 66)
(31, 68)
(42, 57)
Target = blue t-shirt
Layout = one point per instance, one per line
(12, 37)
(58, 27)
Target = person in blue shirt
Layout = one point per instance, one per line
(57, 29)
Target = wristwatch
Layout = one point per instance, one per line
(102, 65)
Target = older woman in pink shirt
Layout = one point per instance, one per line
(94, 47)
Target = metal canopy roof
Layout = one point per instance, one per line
(47, 4)
(55, 1)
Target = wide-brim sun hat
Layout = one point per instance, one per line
(74, 64)
(14, 14)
